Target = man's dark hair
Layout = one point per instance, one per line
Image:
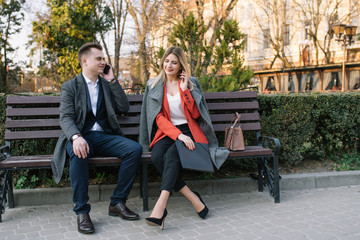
(84, 49)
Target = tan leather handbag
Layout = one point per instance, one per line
(234, 139)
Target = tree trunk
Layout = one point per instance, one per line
(144, 73)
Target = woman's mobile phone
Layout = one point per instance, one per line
(106, 69)
(179, 73)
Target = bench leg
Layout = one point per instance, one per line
(260, 175)
(11, 192)
(141, 182)
(4, 176)
(276, 178)
(271, 177)
(144, 187)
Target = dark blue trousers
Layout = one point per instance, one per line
(108, 145)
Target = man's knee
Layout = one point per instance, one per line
(137, 149)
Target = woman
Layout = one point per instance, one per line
(174, 108)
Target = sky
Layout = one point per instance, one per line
(30, 9)
(20, 39)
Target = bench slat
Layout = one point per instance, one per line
(244, 126)
(251, 151)
(37, 112)
(43, 134)
(54, 122)
(44, 100)
(31, 112)
(37, 123)
(230, 95)
(130, 131)
(49, 134)
(44, 161)
(235, 106)
(229, 117)
(32, 123)
(32, 100)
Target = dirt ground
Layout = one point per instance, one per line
(309, 166)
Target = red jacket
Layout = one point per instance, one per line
(167, 128)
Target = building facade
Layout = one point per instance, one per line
(290, 44)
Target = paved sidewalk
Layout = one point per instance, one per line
(318, 214)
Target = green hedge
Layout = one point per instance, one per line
(312, 126)
(309, 126)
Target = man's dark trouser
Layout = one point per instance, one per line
(107, 145)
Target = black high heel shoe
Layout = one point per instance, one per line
(157, 221)
(205, 211)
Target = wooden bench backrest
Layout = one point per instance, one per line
(37, 117)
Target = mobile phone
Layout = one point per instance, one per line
(106, 69)
(179, 73)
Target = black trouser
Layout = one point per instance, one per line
(166, 160)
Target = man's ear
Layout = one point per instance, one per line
(83, 61)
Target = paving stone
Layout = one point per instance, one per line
(318, 214)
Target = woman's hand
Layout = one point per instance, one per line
(184, 80)
(187, 141)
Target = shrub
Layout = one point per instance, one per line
(312, 126)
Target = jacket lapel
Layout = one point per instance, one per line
(82, 104)
(157, 92)
(196, 94)
(100, 95)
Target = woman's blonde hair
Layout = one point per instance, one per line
(177, 51)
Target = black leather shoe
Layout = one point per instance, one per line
(205, 210)
(85, 224)
(121, 210)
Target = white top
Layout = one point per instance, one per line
(176, 111)
(94, 93)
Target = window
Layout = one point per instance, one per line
(309, 82)
(267, 38)
(245, 40)
(291, 85)
(270, 85)
(334, 83)
(307, 30)
(286, 35)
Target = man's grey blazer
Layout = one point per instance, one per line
(73, 114)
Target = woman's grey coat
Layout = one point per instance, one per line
(73, 114)
(151, 106)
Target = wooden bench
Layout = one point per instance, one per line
(37, 117)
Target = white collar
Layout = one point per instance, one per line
(89, 81)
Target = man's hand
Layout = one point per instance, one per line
(80, 147)
(187, 141)
(110, 75)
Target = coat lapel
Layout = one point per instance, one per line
(106, 96)
(157, 92)
(82, 104)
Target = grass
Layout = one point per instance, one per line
(347, 162)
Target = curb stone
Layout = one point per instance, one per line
(99, 193)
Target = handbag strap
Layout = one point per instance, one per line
(236, 119)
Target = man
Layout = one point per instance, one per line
(88, 107)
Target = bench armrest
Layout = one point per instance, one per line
(270, 142)
(4, 153)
